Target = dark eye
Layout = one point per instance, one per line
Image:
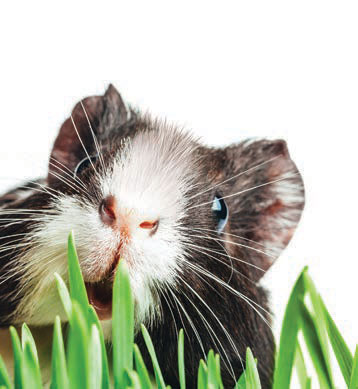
(84, 164)
(221, 213)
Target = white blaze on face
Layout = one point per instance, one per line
(149, 178)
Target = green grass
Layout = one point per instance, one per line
(82, 361)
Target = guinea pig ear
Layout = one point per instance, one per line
(268, 198)
(91, 118)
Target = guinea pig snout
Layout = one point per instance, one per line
(125, 220)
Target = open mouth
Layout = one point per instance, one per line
(100, 297)
(100, 293)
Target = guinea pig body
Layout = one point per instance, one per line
(197, 226)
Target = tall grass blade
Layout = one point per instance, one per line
(27, 338)
(241, 383)
(123, 325)
(64, 295)
(94, 352)
(319, 320)
(212, 380)
(30, 369)
(218, 372)
(301, 366)
(158, 374)
(252, 375)
(77, 349)
(343, 355)
(310, 333)
(181, 362)
(17, 351)
(141, 369)
(353, 383)
(288, 338)
(59, 378)
(4, 375)
(93, 319)
(202, 375)
(77, 285)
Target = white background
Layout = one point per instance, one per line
(226, 70)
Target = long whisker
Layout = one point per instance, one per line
(167, 299)
(224, 263)
(84, 148)
(229, 234)
(70, 172)
(211, 333)
(191, 324)
(72, 185)
(234, 243)
(235, 176)
(247, 190)
(217, 319)
(250, 302)
(94, 137)
(229, 256)
(71, 176)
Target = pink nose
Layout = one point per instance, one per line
(108, 211)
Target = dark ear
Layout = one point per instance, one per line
(102, 114)
(270, 198)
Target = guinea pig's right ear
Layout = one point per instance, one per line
(91, 118)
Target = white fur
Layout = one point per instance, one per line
(149, 179)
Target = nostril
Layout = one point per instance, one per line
(107, 210)
(149, 225)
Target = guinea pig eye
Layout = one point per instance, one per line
(221, 213)
(84, 164)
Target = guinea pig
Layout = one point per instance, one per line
(197, 227)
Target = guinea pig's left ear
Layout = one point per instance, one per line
(91, 118)
(267, 197)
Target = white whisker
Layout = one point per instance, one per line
(236, 176)
(84, 148)
(247, 190)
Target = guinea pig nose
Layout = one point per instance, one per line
(149, 225)
(107, 210)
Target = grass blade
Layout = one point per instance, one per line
(252, 375)
(241, 383)
(123, 325)
(301, 366)
(218, 372)
(202, 375)
(310, 333)
(27, 338)
(17, 351)
(59, 378)
(4, 375)
(94, 352)
(141, 369)
(288, 338)
(319, 321)
(30, 369)
(77, 285)
(64, 295)
(353, 383)
(93, 318)
(212, 381)
(340, 348)
(181, 362)
(76, 349)
(158, 374)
